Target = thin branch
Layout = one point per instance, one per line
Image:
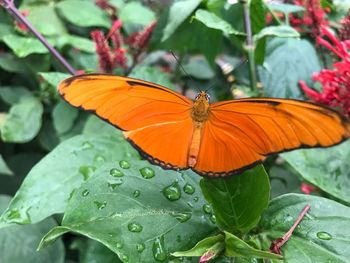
(9, 5)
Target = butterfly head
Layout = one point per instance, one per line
(202, 95)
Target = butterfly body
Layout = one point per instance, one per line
(216, 140)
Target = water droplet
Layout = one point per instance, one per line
(71, 194)
(87, 171)
(190, 204)
(189, 189)
(113, 185)
(213, 219)
(207, 209)
(85, 192)
(124, 164)
(196, 199)
(124, 258)
(324, 235)
(116, 173)
(100, 205)
(86, 146)
(135, 227)
(140, 247)
(172, 192)
(119, 245)
(182, 217)
(136, 193)
(147, 172)
(128, 155)
(99, 159)
(158, 249)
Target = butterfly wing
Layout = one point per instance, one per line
(240, 133)
(156, 120)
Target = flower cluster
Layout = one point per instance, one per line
(335, 82)
(313, 19)
(113, 55)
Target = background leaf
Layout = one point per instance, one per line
(19, 243)
(328, 169)
(287, 61)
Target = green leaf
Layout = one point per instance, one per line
(80, 43)
(12, 94)
(39, 13)
(139, 211)
(83, 13)
(94, 126)
(213, 21)
(134, 13)
(236, 247)
(18, 243)
(287, 61)
(322, 236)
(201, 247)
(199, 67)
(277, 31)
(23, 121)
(238, 201)
(179, 11)
(151, 74)
(61, 171)
(92, 251)
(63, 116)
(286, 8)
(24, 46)
(53, 78)
(328, 168)
(4, 169)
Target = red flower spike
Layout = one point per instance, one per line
(110, 9)
(104, 55)
(120, 59)
(142, 38)
(344, 32)
(117, 24)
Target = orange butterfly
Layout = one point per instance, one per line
(219, 139)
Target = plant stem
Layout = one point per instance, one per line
(9, 5)
(277, 244)
(250, 46)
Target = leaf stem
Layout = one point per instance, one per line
(249, 45)
(9, 5)
(277, 244)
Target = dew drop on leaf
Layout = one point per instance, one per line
(135, 227)
(115, 184)
(159, 249)
(119, 245)
(207, 209)
(196, 199)
(116, 173)
(189, 189)
(147, 172)
(124, 164)
(100, 205)
(124, 258)
(13, 214)
(85, 192)
(324, 235)
(140, 247)
(172, 192)
(182, 217)
(99, 159)
(213, 219)
(87, 171)
(86, 146)
(136, 193)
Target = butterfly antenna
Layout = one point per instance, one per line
(182, 68)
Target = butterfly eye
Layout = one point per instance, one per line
(207, 96)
